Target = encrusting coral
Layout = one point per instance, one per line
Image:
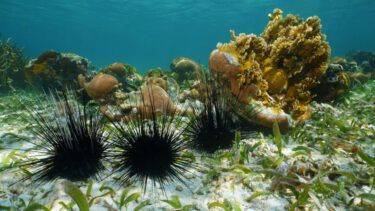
(278, 69)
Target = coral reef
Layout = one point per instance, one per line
(185, 68)
(172, 86)
(332, 83)
(54, 69)
(365, 59)
(154, 100)
(129, 79)
(120, 70)
(359, 77)
(158, 73)
(278, 69)
(12, 62)
(349, 66)
(197, 91)
(358, 74)
(158, 82)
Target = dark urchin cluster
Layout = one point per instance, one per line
(74, 145)
(151, 149)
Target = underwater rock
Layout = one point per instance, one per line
(12, 62)
(333, 83)
(185, 68)
(278, 69)
(58, 70)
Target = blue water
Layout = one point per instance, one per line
(149, 34)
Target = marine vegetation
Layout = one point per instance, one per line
(73, 144)
(12, 62)
(282, 65)
(151, 147)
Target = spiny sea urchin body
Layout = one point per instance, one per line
(73, 143)
(210, 128)
(151, 149)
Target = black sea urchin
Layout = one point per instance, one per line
(151, 148)
(73, 143)
(211, 126)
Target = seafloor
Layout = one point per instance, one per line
(327, 164)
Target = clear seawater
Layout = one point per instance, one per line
(150, 33)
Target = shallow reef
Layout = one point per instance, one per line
(273, 123)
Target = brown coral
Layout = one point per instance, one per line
(99, 87)
(185, 68)
(54, 69)
(158, 82)
(121, 70)
(284, 63)
(154, 100)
